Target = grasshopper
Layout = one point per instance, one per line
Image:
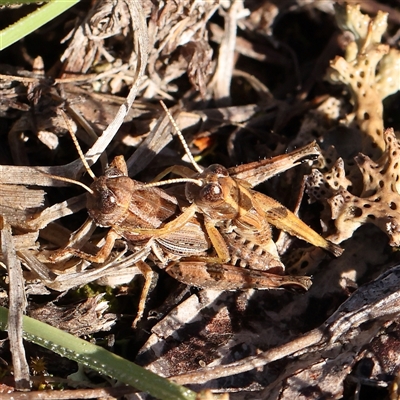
(238, 219)
(149, 218)
(116, 201)
(122, 204)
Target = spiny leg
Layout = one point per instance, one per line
(228, 277)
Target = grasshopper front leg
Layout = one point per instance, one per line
(218, 242)
(149, 279)
(99, 258)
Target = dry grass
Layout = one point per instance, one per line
(244, 82)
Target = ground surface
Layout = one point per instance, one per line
(244, 82)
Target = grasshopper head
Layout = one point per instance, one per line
(218, 195)
(111, 197)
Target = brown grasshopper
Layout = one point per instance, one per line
(114, 200)
(147, 217)
(237, 220)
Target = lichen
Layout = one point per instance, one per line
(371, 70)
(379, 201)
(366, 188)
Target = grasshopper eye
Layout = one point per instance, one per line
(102, 206)
(113, 172)
(211, 193)
(108, 201)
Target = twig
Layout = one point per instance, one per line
(379, 300)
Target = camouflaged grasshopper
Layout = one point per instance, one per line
(238, 220)
(122, 204)
(150, 219)
(140, 213)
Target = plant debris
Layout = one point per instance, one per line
(244, 81)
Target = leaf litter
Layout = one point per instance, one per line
(244, 81)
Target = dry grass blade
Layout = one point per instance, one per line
(223, 76)
(18, 203)
(17, 305)
(57, 211)
(157, 139)
(141, 44)
(40, 176)
(103, 393)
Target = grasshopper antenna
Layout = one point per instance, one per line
(197, 182)
(196, 166)
(81, 156)
(64, 179)
(77, 146)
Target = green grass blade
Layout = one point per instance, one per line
(17, 2)
(33, 21)
(99, 359)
